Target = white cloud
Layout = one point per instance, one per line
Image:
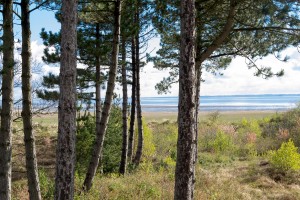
(240, 80)
(237, 79)
(150, 77)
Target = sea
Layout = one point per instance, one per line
(222, 103)
(262, 102)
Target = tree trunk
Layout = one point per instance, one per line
(139, 149)
(123, 163)
(98, 147)
(186, 144)
(65, 155)
(98, 82)
(133, 100)
(29, 140)
(198, 85)
(7, 101)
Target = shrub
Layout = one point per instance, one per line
(283, 126)
(286, 157)
(112, 143)
(46, 185)
(249, 126)
(213, 118)
(165, 140)
(221, 143)
(149, 147)
(84, 142)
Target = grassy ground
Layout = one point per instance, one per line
(51, 119)
(219, 176)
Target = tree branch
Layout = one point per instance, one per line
(224, 33)
(266, 28)
(38, 6)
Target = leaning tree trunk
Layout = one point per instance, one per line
(7, 101)
(31, 161)
(65, 155)
(139, 149)
(123, 162)
(186, 144)
(133, 100)
(96, 158)
(98, 82)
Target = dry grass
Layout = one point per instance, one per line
(236, 180)
(245, 180)
(227, 116)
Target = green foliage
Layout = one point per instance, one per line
(208, 159)
(249, 126)
(148, 149)
(46, 185)
(112, 143)
(213, 118)
(286, 157)
(165, 141)
(221, 143)
(84, 142)
(283, 126)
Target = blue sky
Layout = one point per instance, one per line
(237, 79)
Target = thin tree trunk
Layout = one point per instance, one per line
(186, 144)
(98, 82)
(123, 163)
(139, 149)
(29, 140)
(7, 101)
(198, 85)
(133, 100)
(65, 155)
(98, 147)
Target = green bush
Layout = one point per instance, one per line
(249, 126)
(221, 143)
(165, 140)
(112, 143)
(46, 185)
(286, 157)
(84, 142)
(288, 121)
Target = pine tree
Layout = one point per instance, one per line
(96, 159)
(186, 144)
(7, 101)
(29, 140)
(65, 155)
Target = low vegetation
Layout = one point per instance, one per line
(245, 159)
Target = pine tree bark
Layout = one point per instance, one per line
(98, 82)
(7, 101)
(139, 149)
(65, 155)
(96, 159)
(29, 140)
(133, 100)
(186, 144)
(123, 162)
